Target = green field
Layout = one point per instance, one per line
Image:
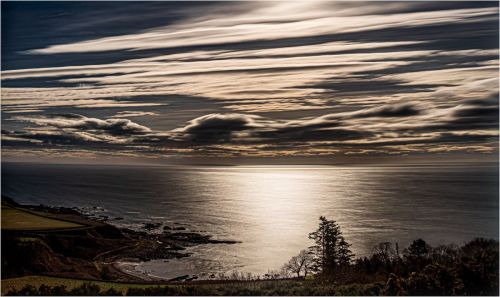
(19, 282)
(17, 219)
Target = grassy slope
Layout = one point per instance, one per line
(17, 219)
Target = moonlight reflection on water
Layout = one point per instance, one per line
(271, 209)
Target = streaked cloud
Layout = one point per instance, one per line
(266, 21)
(269, 78)
(129, 114)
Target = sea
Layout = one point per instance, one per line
(270, 210)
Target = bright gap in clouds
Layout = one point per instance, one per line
(251, 79)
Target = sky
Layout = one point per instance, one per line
(209, 81)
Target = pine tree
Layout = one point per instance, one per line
(330, 250)
(345, 255)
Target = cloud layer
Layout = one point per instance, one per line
(251, 78)
(389, 129)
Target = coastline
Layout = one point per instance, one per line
(127, 268)
(108, 268)
(111, 252)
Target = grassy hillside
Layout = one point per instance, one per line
(18, 219)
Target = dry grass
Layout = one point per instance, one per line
(19, 282)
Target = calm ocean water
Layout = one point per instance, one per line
(271, 209)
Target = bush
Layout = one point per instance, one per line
(87, 289)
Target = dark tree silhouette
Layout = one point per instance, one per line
(301, 263)
(345, 255)
(331, 250)
(418, 248)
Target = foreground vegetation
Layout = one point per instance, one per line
(33, 284)
(326, 268)
(472, 269)
(237, 288)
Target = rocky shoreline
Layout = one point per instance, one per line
(97, 250)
